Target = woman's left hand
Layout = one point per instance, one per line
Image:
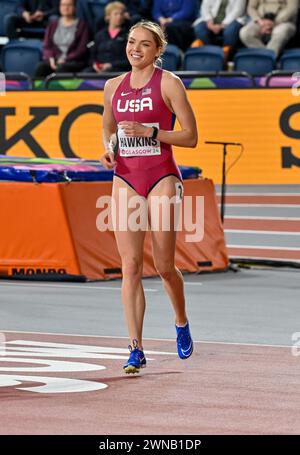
(133, 129)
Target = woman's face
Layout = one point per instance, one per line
(141, 48)
(116, 17)
(67, 8)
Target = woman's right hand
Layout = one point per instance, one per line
(107, 160)
(96, 68)
(53, 64)
(27, 17)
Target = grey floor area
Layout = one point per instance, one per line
(251, 306)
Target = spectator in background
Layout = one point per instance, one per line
(175, 18)
(272, 24)
(30, 13)
(220, 22)
(65, 43)
(109, 50)
(135, 11)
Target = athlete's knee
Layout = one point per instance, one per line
(132, 268)
(166, 271)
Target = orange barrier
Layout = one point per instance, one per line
(51, 228)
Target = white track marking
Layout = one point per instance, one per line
(263, 258)
(150, 339)
(261, 194)
(249, 231)
(261, 247)
(249, 205)
(81, 286)
(265, 218)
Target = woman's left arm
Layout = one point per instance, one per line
(175, 96)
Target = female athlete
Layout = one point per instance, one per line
(140, 108)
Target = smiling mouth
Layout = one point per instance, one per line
(136, 55)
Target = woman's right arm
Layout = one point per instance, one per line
(109, 124)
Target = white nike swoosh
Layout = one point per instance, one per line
(187, 350)
(125, 94)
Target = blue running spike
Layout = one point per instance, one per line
(136, 359)
(184, 340)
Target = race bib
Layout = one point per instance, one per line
(138, 146)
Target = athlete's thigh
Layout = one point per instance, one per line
(130, 241)
(164, 203)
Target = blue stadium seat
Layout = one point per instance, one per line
(6, 7)
(21, 56)
(172, 58)
(290, 60)
(204, 58)
(256, 62)
(37, 32)
(96, 12)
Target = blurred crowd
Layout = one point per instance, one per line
(91, 36)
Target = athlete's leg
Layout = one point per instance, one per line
(164, 242)
(130, 246)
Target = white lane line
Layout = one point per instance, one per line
(83, 286)
(260, 247)
(66, 286)
(263, 205)
(263, 258)
(151, 339)
(265, 218)
(261, 194)
(267, 232)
